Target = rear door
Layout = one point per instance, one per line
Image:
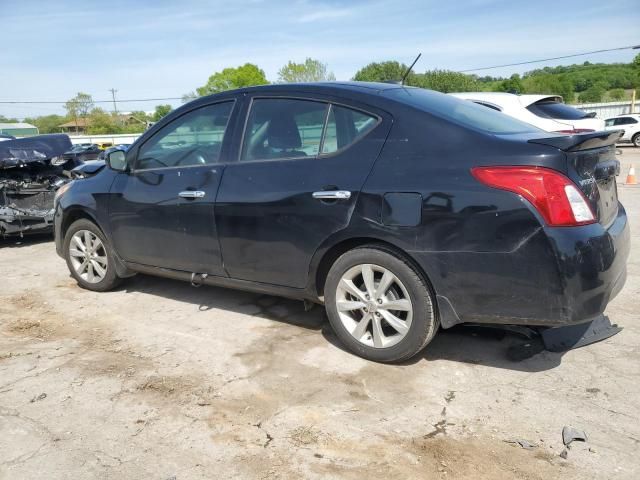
(162, 211)
(301, 165)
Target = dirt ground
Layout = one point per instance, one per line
(159, 380)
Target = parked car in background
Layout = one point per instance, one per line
(547, 112)
(82, 152)
(400, 209)
(104, 153)
(629, 123)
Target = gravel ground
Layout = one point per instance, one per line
(159, 380)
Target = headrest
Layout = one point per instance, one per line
(283, 133)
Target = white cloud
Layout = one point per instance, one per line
(326, 14)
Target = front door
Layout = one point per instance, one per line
(301, 166)
(162, 211)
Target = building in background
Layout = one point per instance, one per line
(18, 129)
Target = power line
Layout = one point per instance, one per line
(632, 47)
(7, 102)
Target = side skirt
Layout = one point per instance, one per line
(198, 279)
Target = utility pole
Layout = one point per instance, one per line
(113, 95)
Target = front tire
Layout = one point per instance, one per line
(379, 305)
(89, 257)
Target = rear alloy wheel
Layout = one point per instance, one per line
(379, 306)
(636, 140)
(89, 257)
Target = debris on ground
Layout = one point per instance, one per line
(570, 434)
(37, 398)
(527, 445)
(564, 454)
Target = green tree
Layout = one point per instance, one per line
(79, 107)
(389, 71)
(513, 84)
(161, 111)
(4, 119)
(617, 94)
(447, 81)
(309, 71)
(246, 75)
(101, 122)
(636, 62)
(549, 84)
(592, 94)
(47, 123)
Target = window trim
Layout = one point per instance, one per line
(357, 140)
(320, 155)
(233, 106)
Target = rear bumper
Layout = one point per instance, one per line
(560, 276)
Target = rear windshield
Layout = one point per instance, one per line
(556, 110)
(462, 112)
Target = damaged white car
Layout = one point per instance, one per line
(31, 171)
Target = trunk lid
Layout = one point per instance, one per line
(592, 165)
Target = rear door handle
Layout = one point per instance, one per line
(192, 194)
(332, 195)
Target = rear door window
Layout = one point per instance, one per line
(625, 121)
(280, 128)
(344, 127)
(556, 110)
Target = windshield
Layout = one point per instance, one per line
(462, 112)
(556, 110)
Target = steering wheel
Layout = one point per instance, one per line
(194, 156)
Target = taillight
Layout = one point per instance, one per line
(575, 130)
(553, 195)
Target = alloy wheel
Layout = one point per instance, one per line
(374, 305)
(88, 256)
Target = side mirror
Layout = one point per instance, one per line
(117, 160)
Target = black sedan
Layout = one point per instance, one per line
(81, 153)
(401, 210)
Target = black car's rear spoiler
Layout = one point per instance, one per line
(582, 141)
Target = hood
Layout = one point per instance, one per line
(41, 148)
(88, 169)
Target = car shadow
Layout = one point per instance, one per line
(209, 297)
(493, 347)
(15, 241)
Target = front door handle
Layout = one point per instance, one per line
(332, 195)
(192, 194)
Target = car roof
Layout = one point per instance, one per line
(635, 115)
(365, 87)
(504, 99)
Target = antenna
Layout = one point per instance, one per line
(406, 74)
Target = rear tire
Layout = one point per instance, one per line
(636, 140)
(379, 305)
(89, 257)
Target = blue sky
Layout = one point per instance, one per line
(161, 48)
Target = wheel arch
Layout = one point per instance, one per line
(73, 214)
(329, 255)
